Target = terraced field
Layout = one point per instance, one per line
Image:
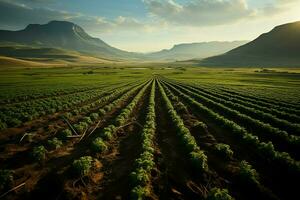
(149, 137)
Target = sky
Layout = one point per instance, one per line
(152, 25)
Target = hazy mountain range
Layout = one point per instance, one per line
(61, 39)
(195, 50)
(65, 41)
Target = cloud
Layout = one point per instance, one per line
(277, 7)
(17, 16)
(200, 12)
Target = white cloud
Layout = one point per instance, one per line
(200, 12)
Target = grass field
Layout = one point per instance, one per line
(149, 133)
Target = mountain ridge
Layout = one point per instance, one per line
(280, 46)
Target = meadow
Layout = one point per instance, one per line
(149, 132)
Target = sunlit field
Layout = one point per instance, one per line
(155, 132)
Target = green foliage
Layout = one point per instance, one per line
(39, 153)
(55, 143)
(140, 176)
(139, 193)
(81, 127)
(219, 194)
(83, 165)
(87, 120)
(94, 116)
(199, 159)
(65, 134)
(224, 150)
(98, 145)
(248, 173)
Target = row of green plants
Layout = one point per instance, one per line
(83, 165)
(265, 131)
(265, 150)
(256, 113)
(197, 156)
(141, 175)
(13, 96)
(214, 193)
(293, 118)
(15, 115)
(269, 102)
(245, 172)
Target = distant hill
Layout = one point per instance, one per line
(279, 47)
(64, 35)
(194, 50)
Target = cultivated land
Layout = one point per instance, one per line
(149, 133)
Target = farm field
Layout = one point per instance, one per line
(149, 133)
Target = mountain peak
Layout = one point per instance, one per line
(54, 25)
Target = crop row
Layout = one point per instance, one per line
(13, 116)
(264, 130)
(266, 150)
(250, 104)
(253, 112)
(141, 175)
(280, 105)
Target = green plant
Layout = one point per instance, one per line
(83, 165)
(247, 172)
(81, 127)
(94, 116)
(219, 194)
(98, 145)
(55, 143)
(139, 193)
(39, 153)
(199, 159)
(87, 120)
(6, 178)
(224, 150)
(65, 134)
(140, 177)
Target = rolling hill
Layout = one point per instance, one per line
(195, 50)
(279, 47)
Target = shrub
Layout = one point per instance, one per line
(6, 178)
(98, 145)
(200, 125)
(224, 150)
(81, 127)
(219, 194)
(139, 193)
(94, 116)
(102, 112)
(247, 172)
(55, 143)
(65, 134)
(140, 177)
(87, 120)
(39, 153)
(199, 159)
(83, 165)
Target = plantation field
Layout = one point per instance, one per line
(149, 133)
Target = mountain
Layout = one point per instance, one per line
(279, 47)
(195, 50)
(64, 35)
